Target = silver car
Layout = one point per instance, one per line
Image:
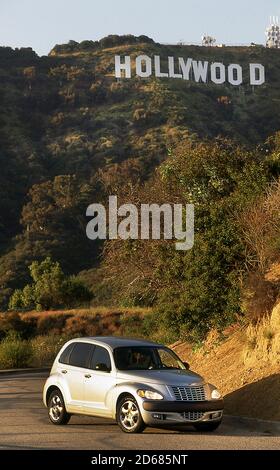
(138, 383)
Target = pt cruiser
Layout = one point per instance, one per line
(138, 383)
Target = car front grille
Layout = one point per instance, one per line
(192, 415)
(191, 393)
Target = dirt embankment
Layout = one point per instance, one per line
(245, 366)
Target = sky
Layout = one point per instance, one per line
(41, 24)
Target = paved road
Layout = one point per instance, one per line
(24, 425)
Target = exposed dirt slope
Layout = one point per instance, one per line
(250, 387)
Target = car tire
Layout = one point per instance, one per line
(56, 408)
(129, 416)
(207, 427)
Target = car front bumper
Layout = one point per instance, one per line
(176, 412)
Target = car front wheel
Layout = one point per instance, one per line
(207, 427)
(128, 415)
(56, 407)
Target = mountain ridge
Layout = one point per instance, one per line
(65, 117)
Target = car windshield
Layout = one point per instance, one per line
(146, 358)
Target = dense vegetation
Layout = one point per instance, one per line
(50, 289)
(236, 238)
(71, 134)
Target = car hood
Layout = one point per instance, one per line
(166, 377)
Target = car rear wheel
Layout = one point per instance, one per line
(56, 407)
(128, 415)
(207, 427)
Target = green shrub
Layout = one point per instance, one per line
(131, 325)
(15, 302)
(14, 352)
(148, 326)
(75, 292)
(50, 289)
(154, 328)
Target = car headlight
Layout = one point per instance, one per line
(215, 395)
(149, 394)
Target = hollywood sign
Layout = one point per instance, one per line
(187, 69)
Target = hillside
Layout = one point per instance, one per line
(244, 364)
(69, 129)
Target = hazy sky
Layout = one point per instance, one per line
(43, 23)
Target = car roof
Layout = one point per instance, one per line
(117, 341)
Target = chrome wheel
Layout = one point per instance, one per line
(129, 415)
(56, 408)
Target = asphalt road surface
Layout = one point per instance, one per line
(24, 424)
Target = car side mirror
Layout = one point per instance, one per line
(187, 366)
(102, 367)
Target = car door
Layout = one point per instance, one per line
(100, 384)
(73, 369)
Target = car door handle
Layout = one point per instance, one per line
(64, 371)
(87, 376)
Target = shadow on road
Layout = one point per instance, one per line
(259, 399)
(231, 426)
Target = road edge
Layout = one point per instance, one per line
(28, 370)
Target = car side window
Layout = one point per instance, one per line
(100, 360)
(80, 355)
(64, 357)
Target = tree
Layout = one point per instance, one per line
(50, 289)
(55, 217)
(196, 290)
